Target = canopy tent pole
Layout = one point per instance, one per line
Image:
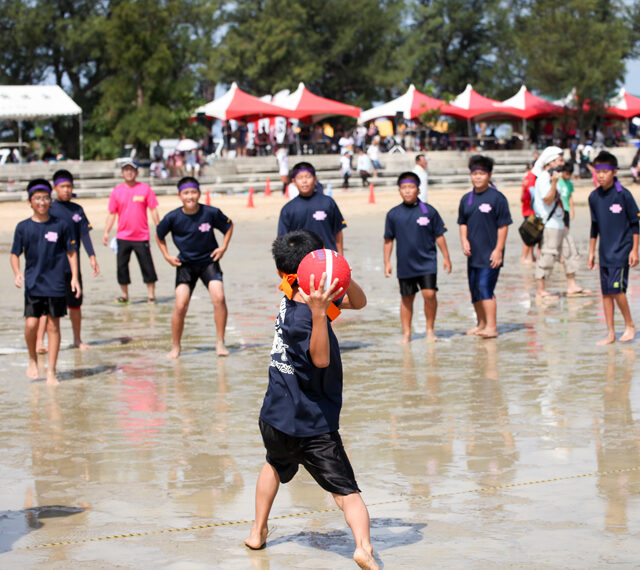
(81, 138)
(20, 140)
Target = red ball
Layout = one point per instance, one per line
(324, 261)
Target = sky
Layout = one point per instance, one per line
(632, 78)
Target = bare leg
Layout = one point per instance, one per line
(216, 290)
(629, 328)
(75, 316)
(430, 310)
(541, 291)
(183, 296)
(357, 517)
(406, 315)
(490, 309)
(607, 303)
(151, 291)
(30, 334)
(266, 491)
(480, 317)
(53, 331)
(42, 328)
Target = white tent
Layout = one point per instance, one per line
(29, 102)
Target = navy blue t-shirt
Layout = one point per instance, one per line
(193, 233)
(614, 216)
(483, 214)
(74, 215)
(318, 213)
(45, 246)
(301, 399)
(415, 229)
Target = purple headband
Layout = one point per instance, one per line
(605, 166)
(479, 168)
(39, 187)
(408, 180)
(295, 172)
(188, 185)
(61, 180)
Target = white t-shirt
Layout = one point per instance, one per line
(283, 166)
(373, 151)
(541, 189)
(364, 163)
(424, 182)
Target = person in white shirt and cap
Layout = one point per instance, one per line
(547, 204)
(420, 170)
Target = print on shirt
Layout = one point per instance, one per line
(422, 221)
(51, 236)
(76, 218)
(279, 347)
(320, 215)
(616, 208)
(484, 208)
(205, 227)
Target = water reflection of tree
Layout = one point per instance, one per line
(491, 449)
(617, 439)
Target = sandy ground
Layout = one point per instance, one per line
(518, 452)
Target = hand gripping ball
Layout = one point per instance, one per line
(324, 261)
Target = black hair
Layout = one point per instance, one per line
(40, 182)
(302, 166)
(408, 174)
(185, 179)
(289, 249)
(481, 161)
(567, 167)
(605, 157)
(419, 156)
(62, 174)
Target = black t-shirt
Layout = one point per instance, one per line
(318, 213)
(415, 229)
(614, 217)
(483, 213)
(193, 233)
(74, 215)
(45, 246)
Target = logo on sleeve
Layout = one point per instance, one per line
(51, 236)
(485, 208)
(319, 215)
(615, 208)
(422, 221)
(76, 218)
(205, 227)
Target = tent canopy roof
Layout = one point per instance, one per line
(624, 105)
(529, 106)
(411, 104)
(28, 102)
(307, 106)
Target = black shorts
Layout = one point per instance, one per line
(614, 280)
(189, 273)
(73, 302)
(323, 456)
(39, 306)
(412, 285)
(143, 253)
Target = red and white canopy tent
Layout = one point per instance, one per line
(236, 104)
(527, 106)
(471, 105)
(623, 105)
(411, 104)
(308, 107)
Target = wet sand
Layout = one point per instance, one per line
(455, 445)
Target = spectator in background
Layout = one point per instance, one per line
(241, 139)
(283, 166)
(346, 143)
(526, 198)
(363, 166)
(374, 154)
(420, 170)
(345, 168)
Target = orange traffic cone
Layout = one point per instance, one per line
(267, 188)
(250, 201)
(207, 197)
(286, 192)
(372, 196)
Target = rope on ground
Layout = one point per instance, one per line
(334, 509)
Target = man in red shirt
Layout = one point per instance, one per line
(529, 181)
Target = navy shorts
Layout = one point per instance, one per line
(614, 280)
(39, 306)
(73, 302)
(323, 456)
(189, 273)
(412, 285)
(482, 282)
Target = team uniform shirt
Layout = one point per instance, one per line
(318, 213)
(415, 229)
(614, 217)
(131, 203)
(74, 215)
(302, 400)
(565, 189)
(45, 246)
(483, 214)
(541, 189)
(193, 233)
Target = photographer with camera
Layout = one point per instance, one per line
(547, 204)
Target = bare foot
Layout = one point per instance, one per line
(257, 539)
(365, 559)
(41, 350)
(51, 378)
(81, 346)
(406, 339)
(526, 261)
(609, 339)
(475, 330)
(488, 333)
(628, 335)
(431, 336)
(174, 352)
(546, 296)
(32, 370)
(221, 349)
